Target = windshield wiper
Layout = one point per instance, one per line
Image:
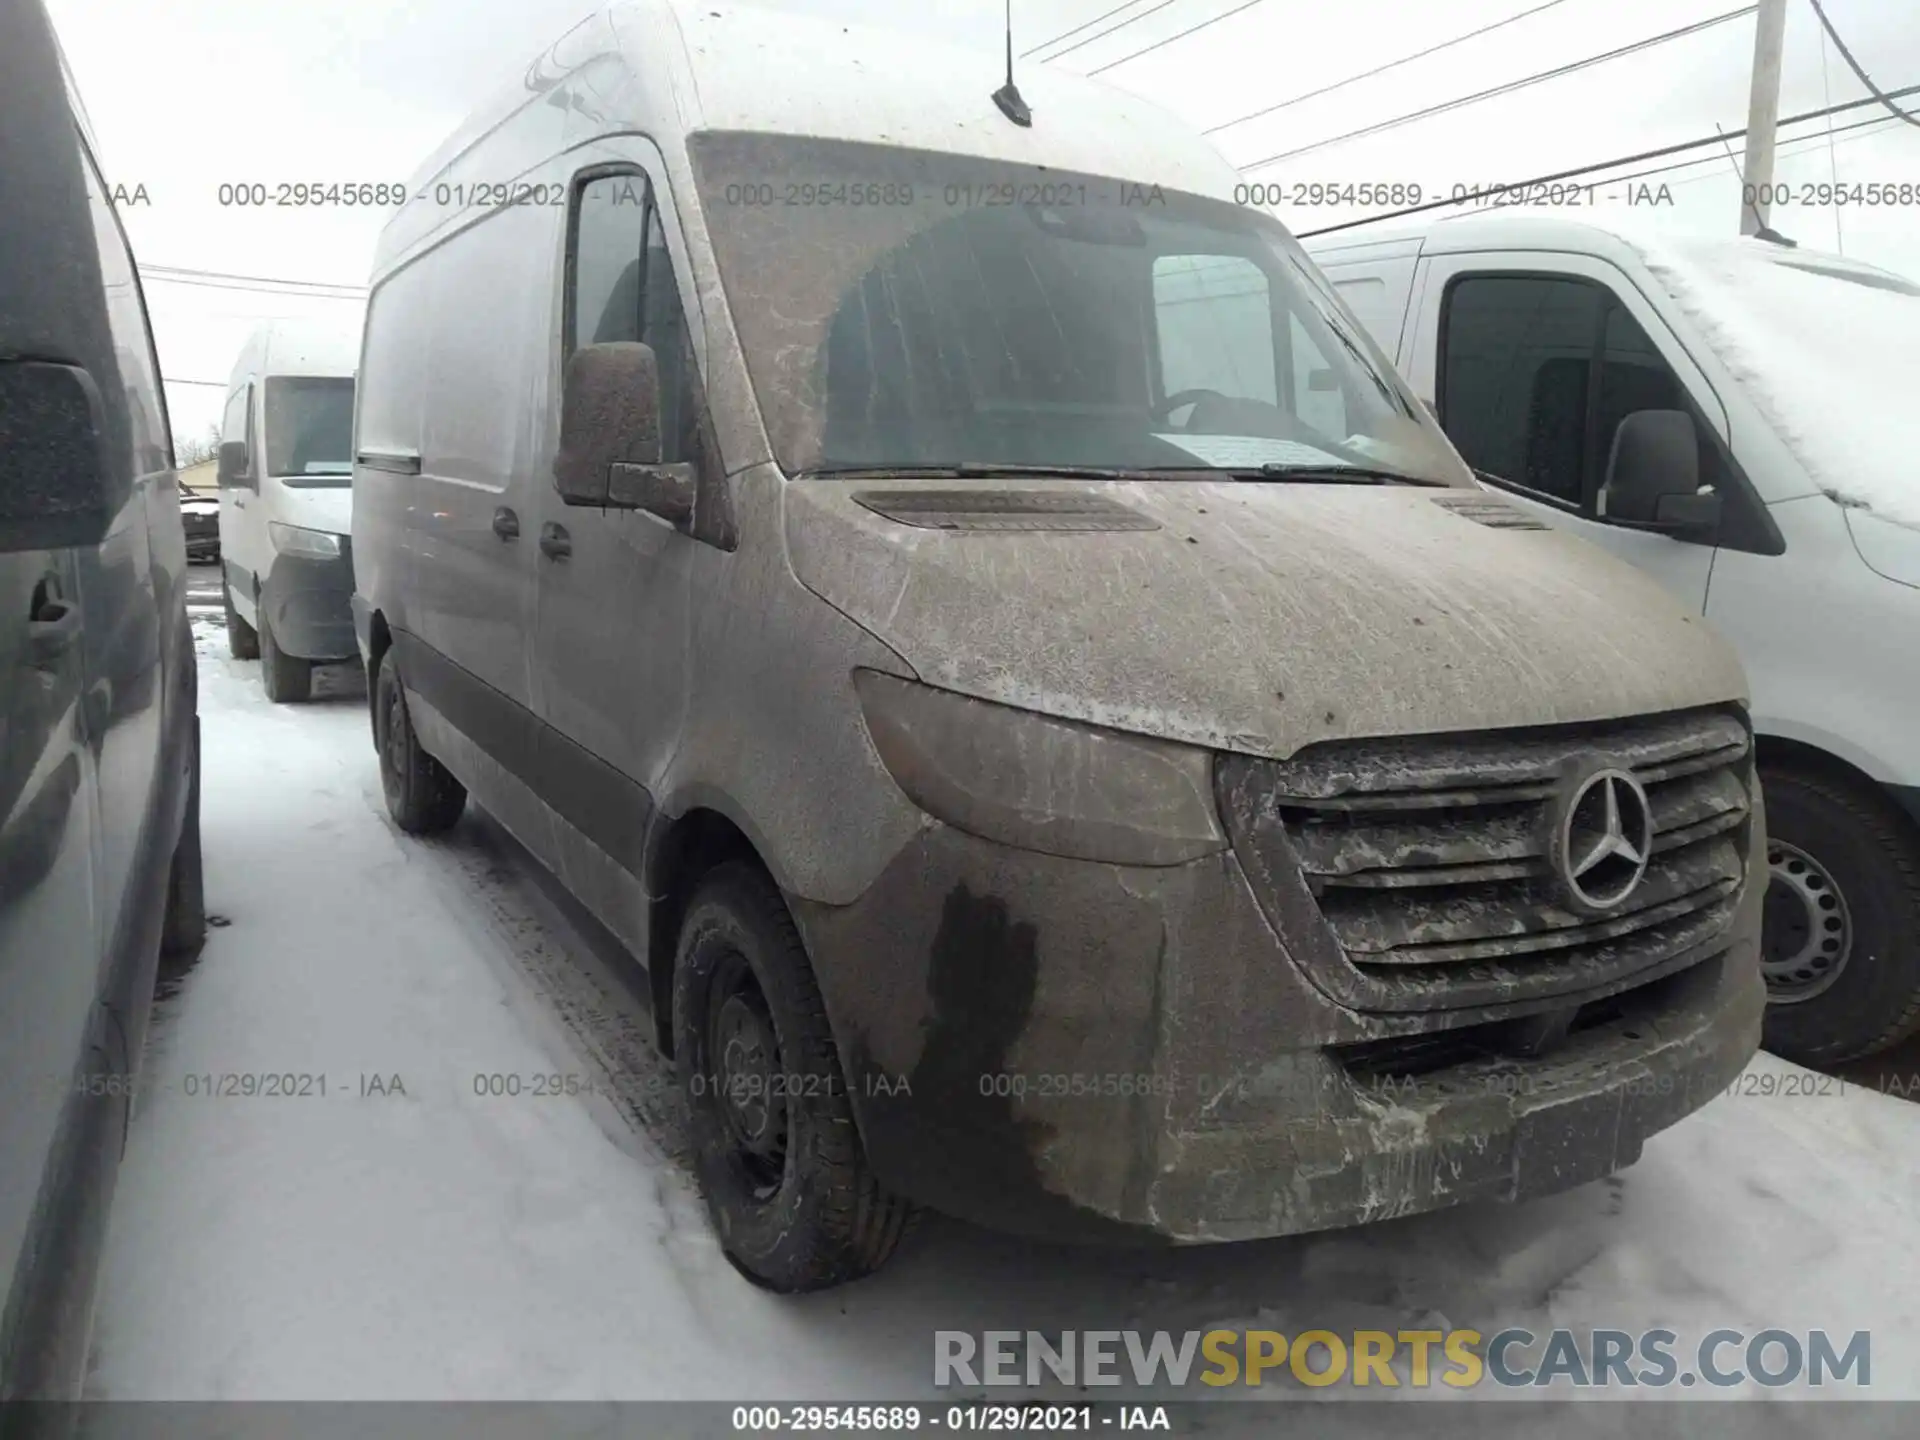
(1333, 475)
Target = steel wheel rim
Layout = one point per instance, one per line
(1807, 935)
(743, 1054)
(392, 742)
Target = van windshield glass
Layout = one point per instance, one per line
(905, 309)
(309, 429)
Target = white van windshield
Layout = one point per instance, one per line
(309, 429)
(905, 309)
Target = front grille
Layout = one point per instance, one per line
(1425, 861)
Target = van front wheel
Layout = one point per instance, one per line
(1841, 942)
(286, 678)
(422, 796)
(775, 1147)
(243, 642)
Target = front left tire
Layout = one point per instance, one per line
(286, 678)
(776, 1150)
(184, 929)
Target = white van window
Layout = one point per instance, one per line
(624, 290)
(937, 310)
(309, 427)
(1519, 393)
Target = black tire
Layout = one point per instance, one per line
(802, 1210)
(1842, 942)
(422, 795)
(185, 928)
(286, 678)
(243, 642)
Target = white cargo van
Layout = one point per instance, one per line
(1740, 419)
(286, 500)
(965, 605)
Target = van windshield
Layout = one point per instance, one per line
(309, 429)
(906, 309)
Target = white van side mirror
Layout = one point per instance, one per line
(1653, 472)
(610, 434)
(230, 472)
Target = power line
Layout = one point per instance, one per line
(1656, 154)
(1854, 65)
(1875, 125)
(1146, 49)
(1382, 69)
(1509, 88)
(1084, 25)
(1131, 19)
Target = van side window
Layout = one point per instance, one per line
(1519, 393)
(624, 289)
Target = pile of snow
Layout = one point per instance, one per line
(1829, 349)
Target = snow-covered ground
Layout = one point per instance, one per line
(440, 1244)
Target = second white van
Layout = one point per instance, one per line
(286, 502)
(1738, 418)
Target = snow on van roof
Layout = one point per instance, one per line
(763, 70)
(1827, 347)
(666, 68)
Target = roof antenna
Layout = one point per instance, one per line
(1762, 230)
(1008, 97)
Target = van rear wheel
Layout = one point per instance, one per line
(286, 678)
(422, 796)
(775, 1146)
(243, 642)
(1841, 941)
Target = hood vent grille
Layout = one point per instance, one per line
(1488, 510)
(1023, 510)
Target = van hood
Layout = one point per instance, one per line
(1248, 616)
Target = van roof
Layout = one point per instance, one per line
(1619, 239)
(666, 68)
(299, 347)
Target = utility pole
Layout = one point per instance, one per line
(1763, 116)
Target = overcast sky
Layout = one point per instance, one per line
(189, 94)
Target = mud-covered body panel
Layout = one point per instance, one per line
(1265, 617)
(1099, 1052)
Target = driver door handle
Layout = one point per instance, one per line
(506, 524)
(555, 543)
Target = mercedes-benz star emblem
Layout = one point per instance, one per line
(1602, 838)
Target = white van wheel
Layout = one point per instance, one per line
(243, 642)
(1840, 947)
(286, 678)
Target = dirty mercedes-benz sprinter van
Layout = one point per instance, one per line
(286, 485)
(1748, 442)
(968, 608)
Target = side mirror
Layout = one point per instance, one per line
(54, 491)
(1696, 515)
(231, 471)
(1655, 457)
(610, 435)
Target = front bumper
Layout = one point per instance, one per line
(307, 601)
(1093, 1052)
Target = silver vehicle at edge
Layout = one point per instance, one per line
(968, 608)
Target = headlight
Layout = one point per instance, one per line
(1032, 781)
(293, 540)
